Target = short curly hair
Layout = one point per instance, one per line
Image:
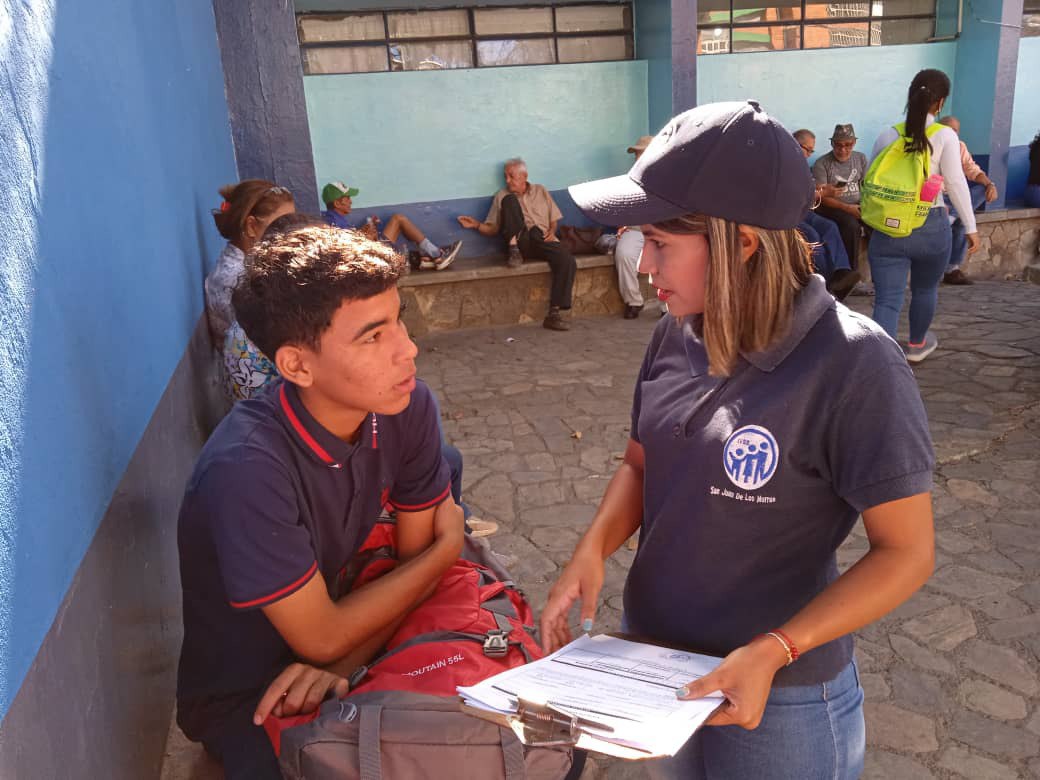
(295, 281)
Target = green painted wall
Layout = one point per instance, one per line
(439, 135)
(819, 89)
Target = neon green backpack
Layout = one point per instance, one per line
(890, 196)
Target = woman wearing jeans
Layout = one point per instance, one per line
(923, 254)
(752, 452)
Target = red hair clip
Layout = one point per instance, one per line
(225, 206)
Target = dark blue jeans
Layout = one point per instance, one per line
(922, 256)
(829, 254)
(959, 244)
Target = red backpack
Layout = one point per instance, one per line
(401, 717)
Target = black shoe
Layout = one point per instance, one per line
(956, 276)
(841, 283)
(555, 321)
(632, 312)
(515, 259)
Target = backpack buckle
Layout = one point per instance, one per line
(496, 643)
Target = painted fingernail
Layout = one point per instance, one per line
(586, 624)
(681, 692)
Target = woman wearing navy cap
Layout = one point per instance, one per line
(754, 448)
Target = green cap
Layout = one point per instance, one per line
(335, 190)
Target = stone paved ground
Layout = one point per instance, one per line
(951, 677)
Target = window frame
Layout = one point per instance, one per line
(628, 32)
(802, 22)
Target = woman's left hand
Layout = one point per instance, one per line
(745, 678)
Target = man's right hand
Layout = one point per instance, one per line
(582, 579)
(299, 689)
(973, 243)
(469, 223)
(853, 209)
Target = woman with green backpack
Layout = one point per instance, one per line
(912, 235)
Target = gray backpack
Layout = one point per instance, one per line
(393, 735)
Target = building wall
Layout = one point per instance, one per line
(115, 139)
(819, 89)
(1026, 120)
(441, 135)
(430, 144)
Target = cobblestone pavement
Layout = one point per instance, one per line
(951, 676)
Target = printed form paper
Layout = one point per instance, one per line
(623, 691)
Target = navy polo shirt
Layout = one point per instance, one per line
(274, 498)
(753, 481)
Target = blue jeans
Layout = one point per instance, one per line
(1032, 196)
(829, 254)
(923, 256)
(959, 243)
(808, 732)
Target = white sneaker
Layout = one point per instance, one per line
(426, 264)
(448, 255)
(915, 353)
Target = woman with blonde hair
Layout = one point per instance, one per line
(753, 450)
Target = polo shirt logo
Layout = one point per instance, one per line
(750, 457)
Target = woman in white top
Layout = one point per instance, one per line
(924, 253)
(248, 208)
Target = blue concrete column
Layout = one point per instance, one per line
(684, 55)
(263, 78)
(984, 81)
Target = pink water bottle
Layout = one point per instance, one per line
(931, 188)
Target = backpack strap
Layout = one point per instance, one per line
(512, 755)
(370, 758)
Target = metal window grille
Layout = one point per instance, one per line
(733, 27)
(489, 36)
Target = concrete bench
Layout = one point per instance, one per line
(483, 291)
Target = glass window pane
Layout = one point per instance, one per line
(712, 12)
(902, 31)
(768, 11)
(713, 40)
(591, 18)
(814, 9)
(532, 51)
(828, 36)
(428, 24)
(904, 7)
(775, 37)
(594, 49)
(344, 59)
(431, 55)
(353, 27)
(512, 21)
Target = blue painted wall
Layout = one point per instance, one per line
(115, 139)
(653, 21)
(1026, 122)
(438, 135)
(819, 89)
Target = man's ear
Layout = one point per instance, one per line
(291, 362)
(749, 241)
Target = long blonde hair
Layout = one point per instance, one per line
(747, 305)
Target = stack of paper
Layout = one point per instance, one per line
(622, 691)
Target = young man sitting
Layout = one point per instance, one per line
(339, 201)
(289, 486)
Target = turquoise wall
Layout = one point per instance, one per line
(115, 139)
(1025, 123)
(441, 135)
(818, 89)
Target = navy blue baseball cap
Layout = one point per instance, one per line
(726, 160)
